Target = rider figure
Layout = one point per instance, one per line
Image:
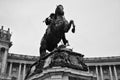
(56, 19)
(50, 19)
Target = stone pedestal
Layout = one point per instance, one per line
(62, 64)
(60, 73)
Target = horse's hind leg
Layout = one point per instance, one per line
(64, 39)
(43, 48)
(42, 51)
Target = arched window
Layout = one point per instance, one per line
(13, 78)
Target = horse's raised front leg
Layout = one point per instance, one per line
(68, 26)
(73, 29)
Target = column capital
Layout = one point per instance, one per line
(101, 65)
(20, 64)
(10, 62)
(97, 65)
(6, 49)
(25, 63)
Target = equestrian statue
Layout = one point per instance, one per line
(55, 32)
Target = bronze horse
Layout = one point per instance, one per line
(56, 32)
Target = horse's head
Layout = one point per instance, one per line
(59, 10)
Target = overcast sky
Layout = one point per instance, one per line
(97, 25)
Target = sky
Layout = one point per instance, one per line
(97, 25)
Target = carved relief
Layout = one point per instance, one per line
(67, 59)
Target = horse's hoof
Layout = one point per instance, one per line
(73, 30)
(67, 44)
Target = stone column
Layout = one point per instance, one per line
(4, 62)
(10, 69)
(101, 72)
(19, 72)
(111, 76)
(24, 71)
(97, 73)
(116, 77)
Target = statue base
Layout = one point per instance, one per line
(60, 73)
(61, 64)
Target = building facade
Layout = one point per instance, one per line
(14, 66)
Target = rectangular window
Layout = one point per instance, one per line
(74, 78)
